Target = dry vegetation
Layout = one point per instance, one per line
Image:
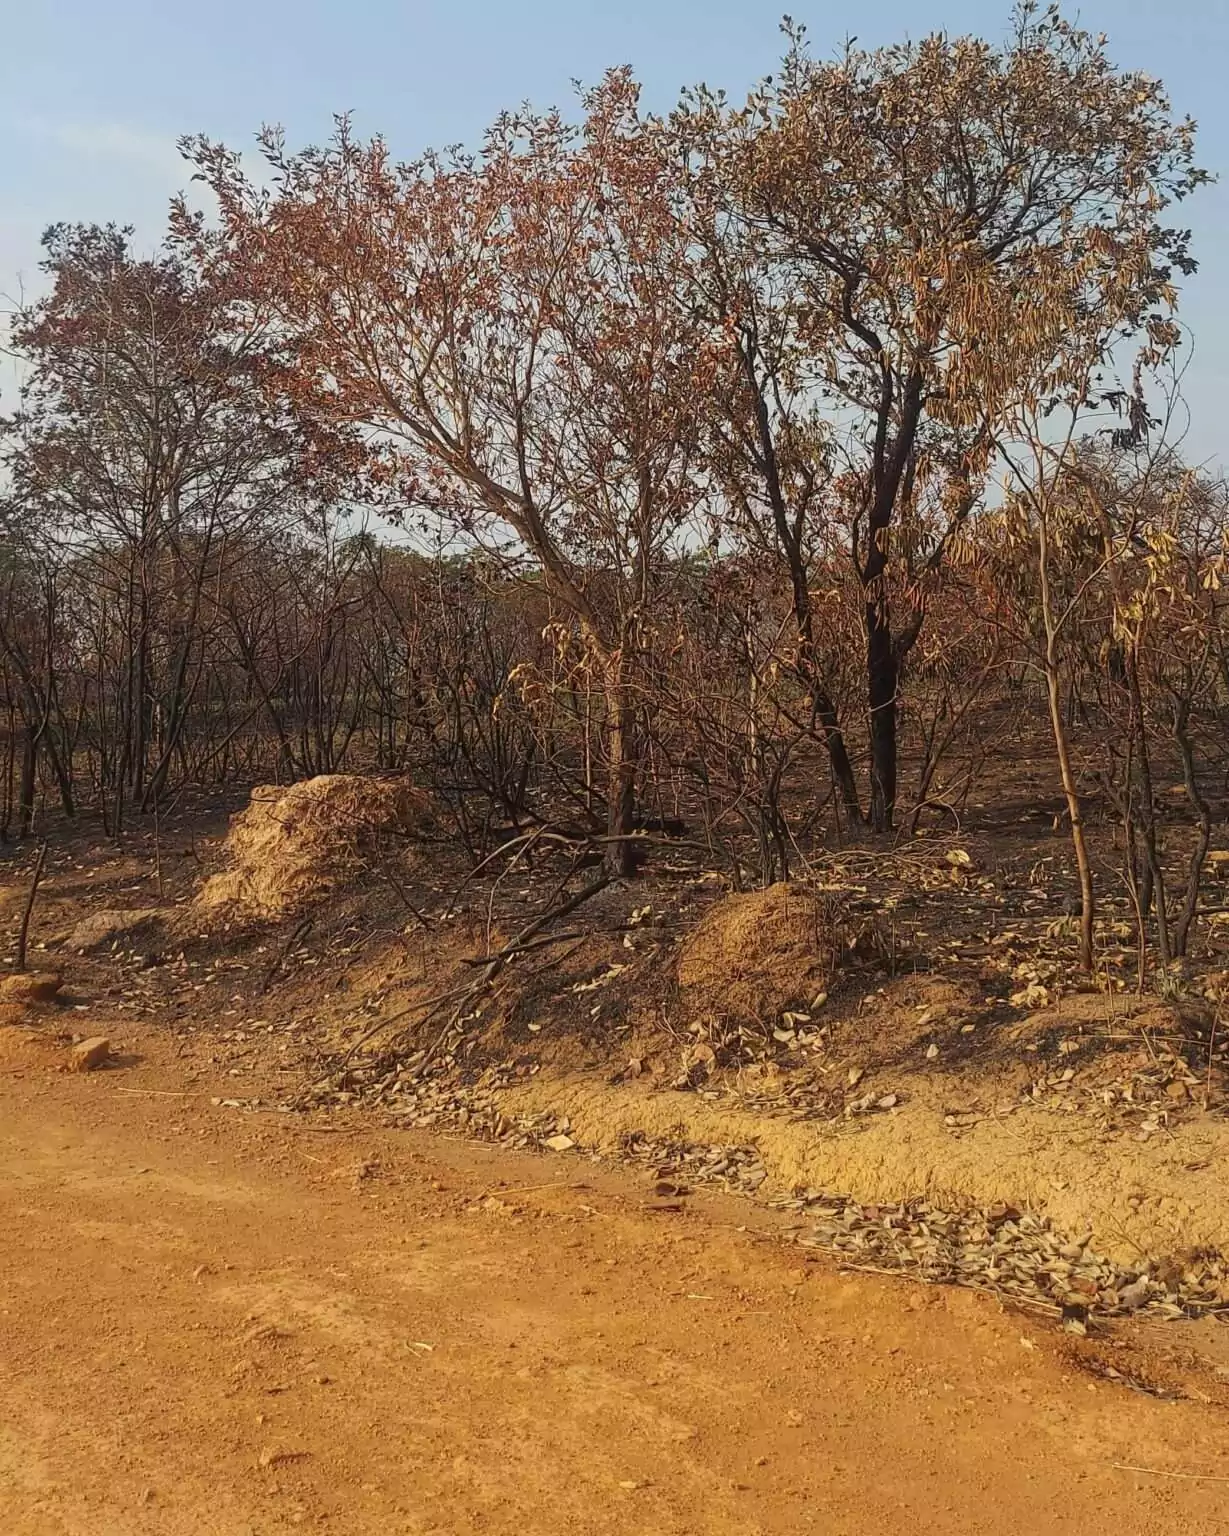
(293, 846)
(793, 714)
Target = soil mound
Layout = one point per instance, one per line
(756, 955)
(292, 846)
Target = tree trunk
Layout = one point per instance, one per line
(838, 753)
(1074, 809)
(1203, 810)
(621, 771)
(63, 776)
(821, 700)
(1156, 894)
(789, 538)
(881, 677)
(10, 764)
(25, 794)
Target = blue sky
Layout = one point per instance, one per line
(94, 93)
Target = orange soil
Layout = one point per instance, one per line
(215, 1322)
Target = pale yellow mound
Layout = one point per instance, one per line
(1139, 1200)
(292, 846)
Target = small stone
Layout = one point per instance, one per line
(559, 1143)
(932, 1050)
(1133, 1296)
(30, 987)
(272, 1457)
(90, 1054)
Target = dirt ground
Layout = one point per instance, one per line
(215, 1322)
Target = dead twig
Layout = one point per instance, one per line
(509, 952)
(525, 949)
(525, 838)
(493, 965)
(418, 917)
(431, 1004)
(1191, 1477)
(302, 929)
(526, 841)
(498, 1191)
(1207, 1084)
(24, 932)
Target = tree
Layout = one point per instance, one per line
(767, 442)
(143, 441)
(959, 228)
(507, 330)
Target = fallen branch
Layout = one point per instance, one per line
(525, 949)
(522, 843)
(527, 840)
(493, 965)
(404, 899)
(431, 1004)
(509, 952)
(1192, 1477)
(302, 929)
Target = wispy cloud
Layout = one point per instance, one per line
(108, 141)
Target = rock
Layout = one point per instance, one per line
(1133, 1296)
(105, 927)
(559, 1143)
(30, 987)
(1074, 1318)
(90, 1054)
(276, 1456)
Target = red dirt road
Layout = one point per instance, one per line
(215, 1323)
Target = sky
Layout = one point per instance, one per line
(95, 93)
